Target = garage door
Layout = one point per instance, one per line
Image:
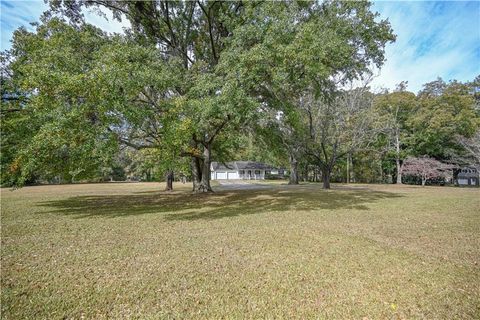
(221, 175)
(232, 175)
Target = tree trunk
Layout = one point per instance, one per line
(326, 178)
(352, 173)
(293, 171)
(399, 171)
(204, 185)
(397, 158)
(196, 173)
(348, 167)
(169, 180)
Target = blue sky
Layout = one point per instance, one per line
(434, 39)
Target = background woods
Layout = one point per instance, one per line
(194, 82)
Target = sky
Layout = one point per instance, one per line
(434, 38)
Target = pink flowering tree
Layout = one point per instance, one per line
(426, 168)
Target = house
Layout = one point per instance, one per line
(248, 170)
(468, 176)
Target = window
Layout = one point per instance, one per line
(257, 171)
(242, 171)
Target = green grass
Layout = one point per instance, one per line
(131, 251)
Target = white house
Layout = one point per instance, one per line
(248, 170)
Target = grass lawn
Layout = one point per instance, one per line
(128, 250)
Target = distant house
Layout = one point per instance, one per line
(246, 170)
(468, 176)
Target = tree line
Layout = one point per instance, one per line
(366, 137)
(194, 81)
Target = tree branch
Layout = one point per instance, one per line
(210, 30)
(218, 129)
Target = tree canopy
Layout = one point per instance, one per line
(194, 81)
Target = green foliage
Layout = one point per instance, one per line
(296, 52)
(62, 130)
(442, 115)
(426, 124)
(87, 94)
(393, 113)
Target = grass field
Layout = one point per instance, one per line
(131, 251)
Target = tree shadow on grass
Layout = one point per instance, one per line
(222, 204)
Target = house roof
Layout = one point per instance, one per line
(240, 165)
(468, 172)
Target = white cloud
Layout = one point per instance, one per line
(434, 39)
(14, 14)
(107, 23)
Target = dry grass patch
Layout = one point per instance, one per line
(132, 251)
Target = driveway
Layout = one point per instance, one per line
(240, 185)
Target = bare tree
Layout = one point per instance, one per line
(472, 147)
(426, 168)
(337, 126)
(393, 110)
